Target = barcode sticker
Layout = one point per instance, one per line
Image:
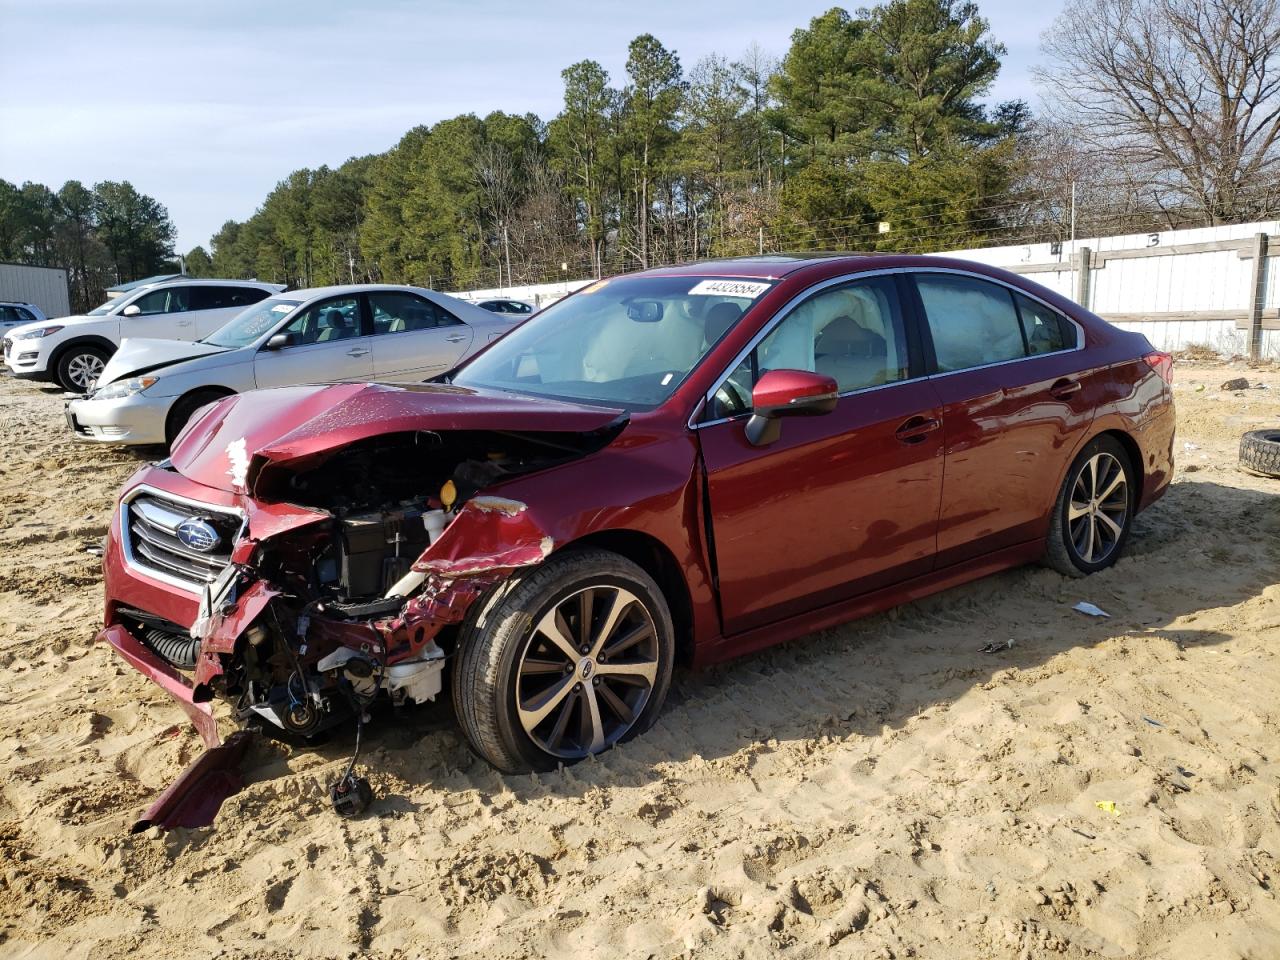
(729, 288)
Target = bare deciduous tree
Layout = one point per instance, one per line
(1186, 91)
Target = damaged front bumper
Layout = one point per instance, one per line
(298, 662)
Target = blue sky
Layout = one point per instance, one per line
(205, 106)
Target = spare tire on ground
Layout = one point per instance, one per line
(1260, 452)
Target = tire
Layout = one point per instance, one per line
(508, 670)
(1260, 452)
(181, 412)
(79, 366)
(1079, 514)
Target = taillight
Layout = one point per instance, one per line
(1161, 363)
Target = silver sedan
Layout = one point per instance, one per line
(150, 388)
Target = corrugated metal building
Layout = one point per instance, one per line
(46, 287)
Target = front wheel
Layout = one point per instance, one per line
(1094, 510)
(563, 662)
(184, 409)
(80, 367)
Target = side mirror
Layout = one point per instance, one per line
(788, 393)
(132, 310)
(279, 341)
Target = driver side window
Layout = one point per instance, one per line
(170, 300)
(336, 319)
(852, 333)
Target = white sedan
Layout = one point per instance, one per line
(365, 332)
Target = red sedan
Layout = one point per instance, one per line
(681, 465)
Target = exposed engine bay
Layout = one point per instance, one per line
(303, 630)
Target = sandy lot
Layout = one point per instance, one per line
(880, 790)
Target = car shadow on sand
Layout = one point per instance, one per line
(1204, 545)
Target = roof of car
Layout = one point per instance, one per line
(309, 293)
(769, 266)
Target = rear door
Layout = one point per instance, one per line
(214, 305)
(327, 344)
(413, 338)
(840, 504)
(1016, 398)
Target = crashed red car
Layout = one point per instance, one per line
(681, 465)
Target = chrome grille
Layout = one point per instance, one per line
(149, 523)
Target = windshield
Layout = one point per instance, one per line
(628, 342)
(245, 328)
(106, 308)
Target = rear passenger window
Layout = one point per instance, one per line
(1046, 330)
(972, 322)
(399, 312)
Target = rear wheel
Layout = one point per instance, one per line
(79, 367)
(564, 662)
(1094, 510)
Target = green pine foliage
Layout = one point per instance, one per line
(874, 117)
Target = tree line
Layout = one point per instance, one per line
(873, 132)
(103, 235)
(868, 119)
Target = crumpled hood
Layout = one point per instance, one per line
(299, 427)
(138, 356)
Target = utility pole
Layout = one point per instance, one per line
(1073, 216)
(506, 249)
(762, 241)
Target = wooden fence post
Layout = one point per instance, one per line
(1084, 260)
(1258, 293)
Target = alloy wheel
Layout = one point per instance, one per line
(84, 369)
(587, 671)
(1099, 508)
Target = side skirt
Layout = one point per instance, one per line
(726, 648)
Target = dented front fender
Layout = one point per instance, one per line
(489, 534)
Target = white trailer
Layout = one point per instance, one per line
(46, 287)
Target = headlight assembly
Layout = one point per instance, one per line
(124, 388)
(37, 333)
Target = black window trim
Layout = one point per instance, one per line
(913, 317)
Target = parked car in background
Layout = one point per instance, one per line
(14, 313)
(689, 463)
(72, 351)
(150, 388)
(512, 308)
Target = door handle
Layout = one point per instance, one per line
(454, 339)
(1064, 388)
(916, 429)
(357, 352)
(184, 323)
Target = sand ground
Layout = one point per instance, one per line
(878, 790)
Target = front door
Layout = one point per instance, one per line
(163, 314)
(326, 344)
(840, 504)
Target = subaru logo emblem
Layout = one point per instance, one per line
(198, 534)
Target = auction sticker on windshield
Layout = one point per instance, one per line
(729, 288)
